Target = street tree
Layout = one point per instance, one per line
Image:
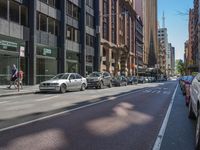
(180, 67)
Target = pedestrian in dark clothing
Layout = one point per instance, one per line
(13, 75)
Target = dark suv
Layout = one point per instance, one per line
(99, 79)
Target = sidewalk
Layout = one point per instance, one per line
(4, 91)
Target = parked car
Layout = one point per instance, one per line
(185, 80)
(141, 80)
(99, 79)
(194, 106)
(132, 80)
(119, 81)
(186, 89)
(64, 82)
(182, 83)
(146, 80)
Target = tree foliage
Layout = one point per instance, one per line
(180, 67)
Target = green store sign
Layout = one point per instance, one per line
(46, 51)
(7, 45)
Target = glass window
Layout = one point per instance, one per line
(89, 58)
(89, 70)
(3, 9)
(89, 20)
(69, 12)
(46, 69)
(52, 3)
(38, 21)
(69, 32)
(75, 12)
(56, 28)
(23, 16)
(72, 76)
(78, 76)
(43, 22)
(51, 25)
(73, 34)
(72, 55)
(72, 66)
(14, 12)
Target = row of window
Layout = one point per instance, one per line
(47, 24)
(52, 3)
(89, 20)
(73, 34)
(73, 10)
(17, 13)
(89, 40)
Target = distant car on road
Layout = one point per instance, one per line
(194, 106)
(99, 79)
(119, 81)
(64, 82)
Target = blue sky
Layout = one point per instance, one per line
(176, 24)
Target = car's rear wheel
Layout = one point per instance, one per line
(83, 86)
(191, 114)
(197, 147)
(62, 88)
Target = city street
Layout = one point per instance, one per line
(121, 118)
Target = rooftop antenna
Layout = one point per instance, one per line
(163, 18)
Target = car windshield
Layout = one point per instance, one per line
(95, 74)
(61, 76)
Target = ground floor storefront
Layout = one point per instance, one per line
(12, 51)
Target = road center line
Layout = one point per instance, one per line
(64, 112)
(160, 136)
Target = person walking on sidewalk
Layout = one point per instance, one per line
(20, 76)
(13, 75)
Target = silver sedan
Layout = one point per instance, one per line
(64, 82)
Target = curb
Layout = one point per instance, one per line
(20, 93)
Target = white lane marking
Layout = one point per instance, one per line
(63, 112)
(3, 102)
(45, 99)
(161, 133)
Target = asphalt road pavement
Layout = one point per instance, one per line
(119, 120)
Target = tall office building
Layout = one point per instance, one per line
(173, 60)
(49, 37)
(139, 38)
(150, 33)
(116, 36)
